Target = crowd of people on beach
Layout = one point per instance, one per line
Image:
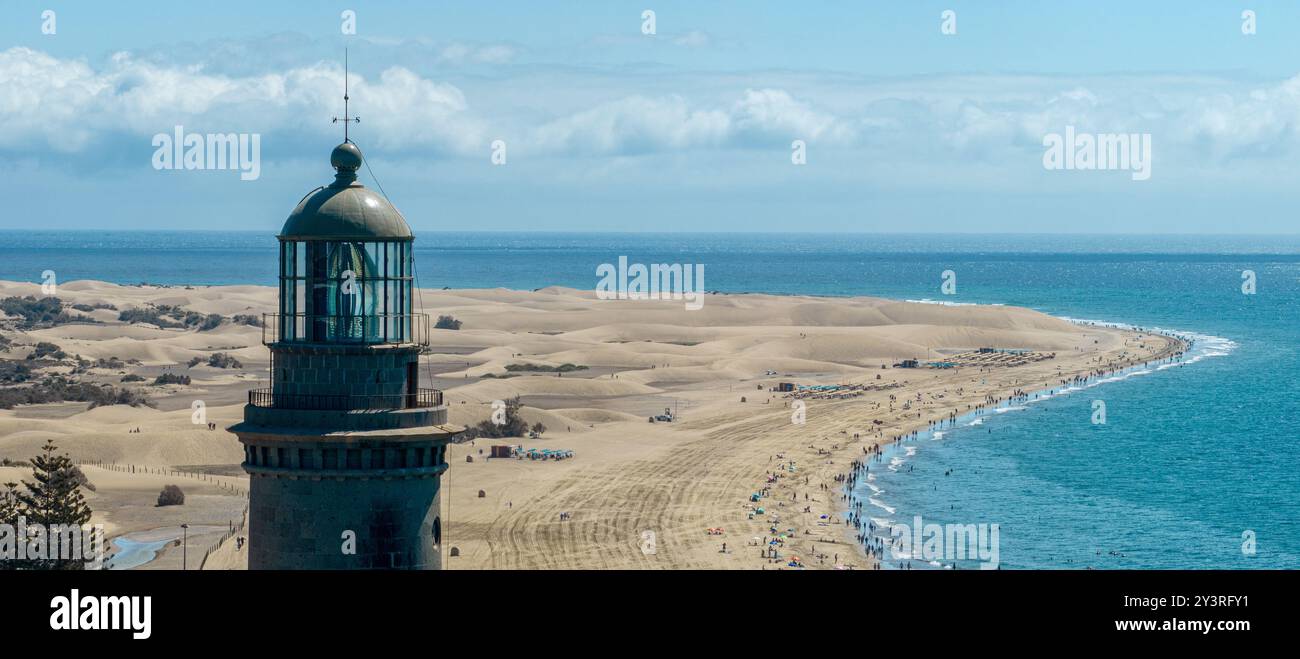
(868, 532)
(779, 488)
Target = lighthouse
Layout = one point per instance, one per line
(345, 450)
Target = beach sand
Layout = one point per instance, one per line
(637, 494)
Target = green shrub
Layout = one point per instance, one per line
(447, 323)
(14, 371)
(513, 426)
(56, 389)
(223, 360)
(542, 368)
(152, 316)
(34, 313)
(210, 322)
(46, 349)
(171, 495)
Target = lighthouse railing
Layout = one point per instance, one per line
(418, 398)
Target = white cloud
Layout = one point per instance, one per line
(634, 124)
(641, 124)
(66, 106)
(459, 53)
(1265, 121)
(775, 113)
(692, 39)
(59, 108)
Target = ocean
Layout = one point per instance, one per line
(1195, 467)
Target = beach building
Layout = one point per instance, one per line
(344, 449)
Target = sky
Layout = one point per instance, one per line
(568, 116)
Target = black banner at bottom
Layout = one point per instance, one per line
(332, 608)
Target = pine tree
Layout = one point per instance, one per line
(9, 511)
(9, 504)
(54, 498)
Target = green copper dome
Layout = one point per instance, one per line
(345, 209)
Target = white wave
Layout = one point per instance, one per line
(949, 303)
(1202, 345)
(877, 503)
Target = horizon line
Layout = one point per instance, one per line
(710, 232)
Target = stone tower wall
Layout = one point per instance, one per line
(355, 371)
(299, 523)
(306, 492)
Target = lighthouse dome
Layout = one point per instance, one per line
(345, 209)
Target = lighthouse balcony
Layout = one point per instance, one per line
(368, 329)
(419, 398)
(344, 412)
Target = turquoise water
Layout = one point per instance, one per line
(130, 553)
(1190, 457)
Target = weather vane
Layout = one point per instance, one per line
(346, 119)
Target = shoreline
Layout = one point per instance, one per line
(845, 508)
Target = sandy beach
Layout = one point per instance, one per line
(636, 494)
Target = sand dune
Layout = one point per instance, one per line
(101, 434)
